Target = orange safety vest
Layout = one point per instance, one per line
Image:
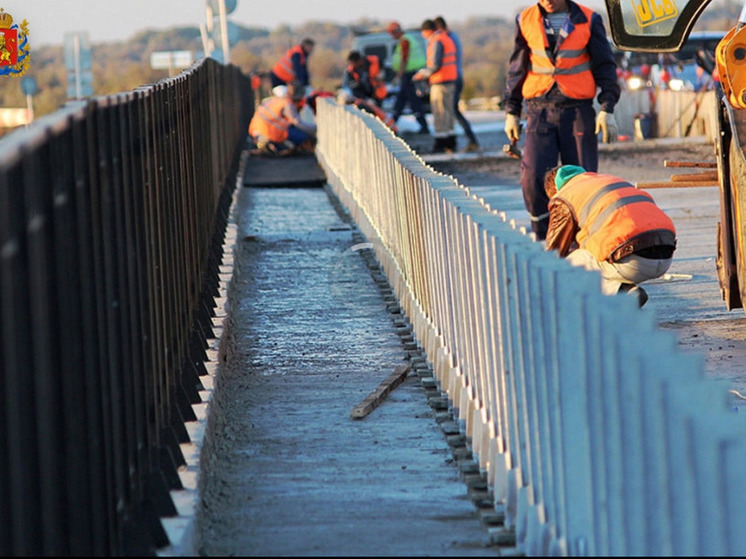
(268, 120)
(284, 68)
(611, 212)
(448, 71)
(374, 68)
(571, 67)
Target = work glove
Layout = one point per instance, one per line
(513, 127)
(606, 124)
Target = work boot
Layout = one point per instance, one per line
(450, 143)
(424, 129)
(439, 146)
(308, 146)
(471, 147)
(264, 147)
(635, 291)
(642, 295)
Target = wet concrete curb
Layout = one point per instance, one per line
(181, 529)
(492, 517)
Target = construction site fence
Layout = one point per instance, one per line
(597, 435)
(112, 213)
(653, 113)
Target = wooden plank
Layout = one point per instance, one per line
(375, 398)
(283, 171)
(707, 176)
(671, 184)
(696, 164)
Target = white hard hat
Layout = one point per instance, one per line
(280, 91)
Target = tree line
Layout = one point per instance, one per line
(124, 66)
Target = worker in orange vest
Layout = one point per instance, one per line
(473, 144)
(277, 127)
(293, 65)
(441, 73)
(363, 77)
(561, 60)
(603, 223)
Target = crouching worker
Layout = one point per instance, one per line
(277, 128)
(602, 222)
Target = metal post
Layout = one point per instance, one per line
(206, 30)
(78, 85)
(29, 110)
(224, 33)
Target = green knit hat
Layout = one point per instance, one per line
(565, 173)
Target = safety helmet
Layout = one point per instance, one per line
(393, 26)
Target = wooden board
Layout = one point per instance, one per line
(375, 398)
(284, 171)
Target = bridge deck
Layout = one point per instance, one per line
(285, 171)
(314, 332)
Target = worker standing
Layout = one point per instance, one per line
(408, 57)
(293, 65)
(441, 73)
(603, 223)
(561, 57)
(473, 144)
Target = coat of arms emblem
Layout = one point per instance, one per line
(14, 46)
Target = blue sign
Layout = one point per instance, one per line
(230, 5)
(29, 86)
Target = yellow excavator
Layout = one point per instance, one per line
(663, 26)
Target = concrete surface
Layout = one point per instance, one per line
(400, 481)
(285, 470)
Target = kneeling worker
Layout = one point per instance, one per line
(277, 127)
(602, 222)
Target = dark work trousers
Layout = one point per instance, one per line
(460, 118)
(554, 132)
(407, 96)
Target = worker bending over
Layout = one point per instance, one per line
(602, 222)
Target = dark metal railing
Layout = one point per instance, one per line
(112, 214)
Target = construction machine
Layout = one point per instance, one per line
(661, 26)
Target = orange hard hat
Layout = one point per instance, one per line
(393, 26)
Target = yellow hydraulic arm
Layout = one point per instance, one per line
(730, 57)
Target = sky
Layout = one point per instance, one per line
(118, 20)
